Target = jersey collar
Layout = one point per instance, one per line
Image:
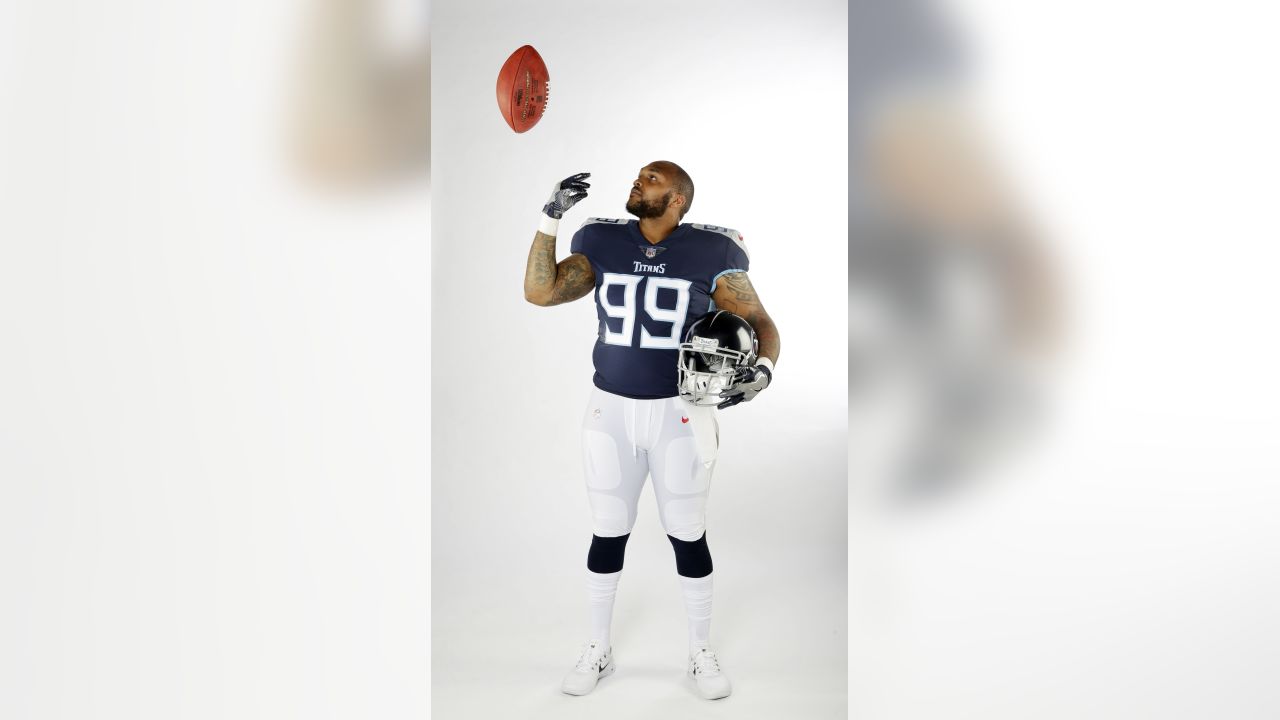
(680, 231)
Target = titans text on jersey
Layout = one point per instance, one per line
(646, 294)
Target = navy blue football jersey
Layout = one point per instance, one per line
(647, 294)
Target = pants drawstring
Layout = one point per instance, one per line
(635, 452)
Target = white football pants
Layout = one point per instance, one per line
(624, 440)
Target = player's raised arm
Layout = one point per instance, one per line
(547, 282)
(735, 293)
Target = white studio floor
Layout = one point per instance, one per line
(779, 629)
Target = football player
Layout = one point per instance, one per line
(651, 278)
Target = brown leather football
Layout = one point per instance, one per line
(523, 89)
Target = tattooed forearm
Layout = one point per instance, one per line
(767, 336)
(735, 293)
(549, 283)
(540, 272)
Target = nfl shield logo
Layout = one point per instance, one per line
(650, 251)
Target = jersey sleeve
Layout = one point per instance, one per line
(736, 257)
(579, 242)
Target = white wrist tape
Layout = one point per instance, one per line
(548, 225)
(766, 362)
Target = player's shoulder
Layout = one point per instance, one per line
(721, 233)
(596, 230)
(717, 230)
(603, 223)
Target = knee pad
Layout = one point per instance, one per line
(606, 553)
(693, 559)
(685, 518)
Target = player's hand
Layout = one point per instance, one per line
(748, 381)
(566, 194)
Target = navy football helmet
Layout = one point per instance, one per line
(714, 345)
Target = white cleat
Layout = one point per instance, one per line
(596, 662)
(705, 670)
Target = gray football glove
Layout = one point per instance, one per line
(566, 194)
(748, 381)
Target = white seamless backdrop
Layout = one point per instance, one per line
(751, 98)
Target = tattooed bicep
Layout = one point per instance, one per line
(740, 285)
(735, 293)
(574, 278)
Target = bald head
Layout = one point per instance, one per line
(680, 182)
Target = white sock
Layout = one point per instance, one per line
(601, 589)
(697, 603)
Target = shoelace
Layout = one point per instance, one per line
(705, 663)
(589, 659)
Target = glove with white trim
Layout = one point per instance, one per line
(566, 194)
(748, 381)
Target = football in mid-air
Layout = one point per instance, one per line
(523, 89)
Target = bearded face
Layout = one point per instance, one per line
(642, 208)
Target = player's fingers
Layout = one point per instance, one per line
(730, 402)
(578, 178)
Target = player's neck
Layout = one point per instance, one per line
(655, 230)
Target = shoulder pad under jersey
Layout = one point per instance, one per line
(730, 233)
(606, 221)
